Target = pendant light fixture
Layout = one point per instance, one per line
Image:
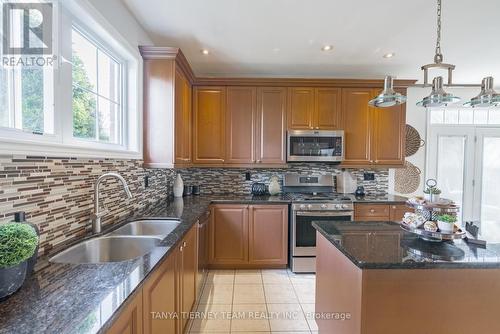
(388, 97)
(438, 97)
(487, 97)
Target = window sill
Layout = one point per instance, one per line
(16, 147)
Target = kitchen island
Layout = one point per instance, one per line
(374, 278)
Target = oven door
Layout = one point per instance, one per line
(315, 146)
(304, 234)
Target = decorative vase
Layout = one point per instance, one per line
(274, 186)
(12, 278)
(445, 227)
(178, 186)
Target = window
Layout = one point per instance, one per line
(96, 97)
(86, 105)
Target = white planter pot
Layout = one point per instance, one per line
(445, 227)
(431, 198)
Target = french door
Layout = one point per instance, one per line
(465, 161)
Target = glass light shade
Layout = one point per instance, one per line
(487, 97)
(438, 97)
(388, 97)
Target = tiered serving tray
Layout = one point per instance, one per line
(429, 211)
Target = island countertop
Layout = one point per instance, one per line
(384, 245)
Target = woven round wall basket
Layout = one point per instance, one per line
(407, 179)
(413, 140)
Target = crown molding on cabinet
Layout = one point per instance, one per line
(166, 52)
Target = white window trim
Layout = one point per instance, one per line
(62, 143)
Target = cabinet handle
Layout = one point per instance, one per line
(376, 161)
(394, 207)
(181, 249)
(259, 161)
(184, 244)
(317, 128)
(371, 161)
(372, 210)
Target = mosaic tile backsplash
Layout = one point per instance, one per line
(225, 180)
(57, 193)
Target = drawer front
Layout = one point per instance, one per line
(398, 211)
(372, 210)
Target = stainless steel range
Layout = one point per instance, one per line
(313, 199)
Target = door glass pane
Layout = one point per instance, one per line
(450, 167)
(490, 191)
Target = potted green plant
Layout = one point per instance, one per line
(18, 243)
(446, 223)
(431, 194)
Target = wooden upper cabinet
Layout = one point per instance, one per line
(389, 137)
(300, 108)
(270, 127)
(268, 234)
(159, 295)
(183, 119)
(228, 241)
(240, 122)
(328, 109)
(209, 125)
(356, 116)
(130, 319)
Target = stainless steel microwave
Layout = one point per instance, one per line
(315, 145)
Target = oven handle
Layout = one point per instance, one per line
(324, 213)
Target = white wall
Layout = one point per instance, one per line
(417, 117)
(117, 14)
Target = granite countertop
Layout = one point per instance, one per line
(386, 199)
(384, 245)
(82, 298)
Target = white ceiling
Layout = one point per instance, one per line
(284, 37)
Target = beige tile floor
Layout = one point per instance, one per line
(256, 302)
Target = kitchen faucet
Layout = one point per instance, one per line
(97, 215)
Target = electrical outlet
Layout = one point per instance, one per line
(369, 176)
(247, 176)
(146, 181)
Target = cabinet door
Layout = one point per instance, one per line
(389, 135)
(271, 125)
(268, 234)
(130, 319)
(202, 251)
(240, 121)
(357, 243)
(328, 108)
(159, 295)
(183, 120)
(229, 234)
(209, 125)
(189, 254)
(357, 125)
(300, 108)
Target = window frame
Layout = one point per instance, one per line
(62, 143)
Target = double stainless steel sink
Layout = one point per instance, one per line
(128, 242)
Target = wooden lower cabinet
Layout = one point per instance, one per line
(229, 234)
(159, 296)
(203, 237)
(398, 211)
(268, 234)
(130, 319)
(187, 274)
(244, 236)
(380, 212)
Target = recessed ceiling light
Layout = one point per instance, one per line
(327, 48)
(205, 51)
(389, 55)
